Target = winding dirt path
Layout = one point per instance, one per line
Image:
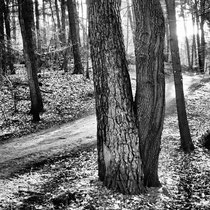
(19, 153)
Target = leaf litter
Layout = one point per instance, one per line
(66, 97)
(72, 183)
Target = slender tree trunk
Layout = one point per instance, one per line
(76, 12)
(194, 50)
(127, 29)
(202, 46)
(63, 22)
(186, 38)
(27, 25)
(37, 26)
(167, 42)
(2, 38)
(150, 88)
(186, 141)
(44, 22)
(58, 20)
(78, 68)
(13, 21)
(1, 41)
(131, 18)
(8, 33)
(198, 36)
(87, 42)
(84, 29)
(53, 18)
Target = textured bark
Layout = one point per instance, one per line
(150, 89)
(119, 161)
(78, 68)
(186, 141)
(29, 44)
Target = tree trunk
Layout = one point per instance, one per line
(78, 68)
(8, 33)
(198, 36)
(26, 20)
(58, 20)
(150, 88)
(186, 38)
(53, 18)
(202, 46)
(84, 29)
(119, 160)
(131, 18)
(13, 21)
(2, 40)
(186, 141)
(37, 26)
(63, 22)
(194, 50)
(44, 22)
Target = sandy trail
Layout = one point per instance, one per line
(19, 152)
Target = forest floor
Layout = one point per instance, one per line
(56, 168)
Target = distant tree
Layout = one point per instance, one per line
(182, 13)
(9, 58)
(202, 46)
(37, 13)
(26, 19)
(186, 141)
(78, 68)
(2, 39)
(63, 22)
(199, 44)
(14, 28)
(44, 22)
(122, 143)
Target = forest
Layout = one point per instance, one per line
(104, 104)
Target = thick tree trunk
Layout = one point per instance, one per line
(119, 160)
(78, 68)
(150, 89)
(186, 141)
(29, 44)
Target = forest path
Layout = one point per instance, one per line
(19, 153)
